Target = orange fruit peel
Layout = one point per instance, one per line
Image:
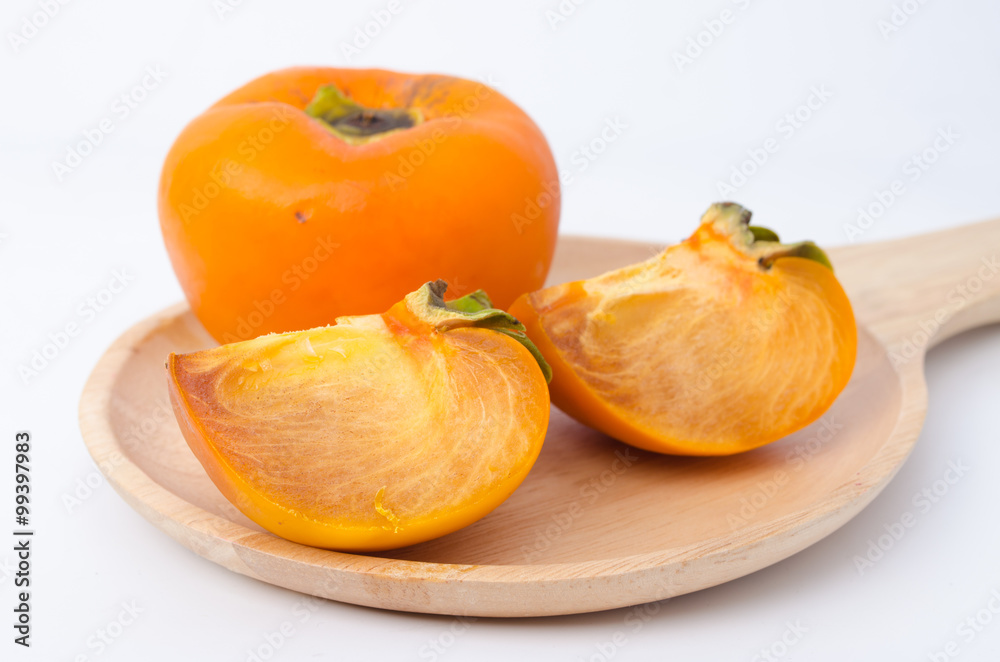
(309, 178)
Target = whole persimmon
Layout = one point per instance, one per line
(722, 343)
(312, 193)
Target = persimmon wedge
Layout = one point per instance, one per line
(725, 342)
(377, 432)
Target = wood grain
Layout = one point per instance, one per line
(596, 525)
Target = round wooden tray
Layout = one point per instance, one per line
(596, 525)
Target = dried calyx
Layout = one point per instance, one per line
(354, 123)
(759, 242)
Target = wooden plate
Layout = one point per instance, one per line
(596, 525)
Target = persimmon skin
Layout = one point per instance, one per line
(278, 441)
(573, 393)
(274, 224)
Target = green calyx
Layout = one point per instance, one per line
(354, 123)
(758, 241)
(472, 310)
(761, 233)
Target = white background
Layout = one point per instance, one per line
(688, 126)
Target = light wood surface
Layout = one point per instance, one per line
(596, 525)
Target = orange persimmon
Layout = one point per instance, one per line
(378, 432)
(312, 193)
(725, 342)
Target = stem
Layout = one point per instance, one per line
(472, 310)
(760, 242)
(354, 123)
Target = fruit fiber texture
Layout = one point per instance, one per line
(375, 433)
(725, 342)
(314, 193)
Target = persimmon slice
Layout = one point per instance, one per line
(378, 432)
(725, 342)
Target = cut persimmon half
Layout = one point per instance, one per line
(378, 432)
(725, 342)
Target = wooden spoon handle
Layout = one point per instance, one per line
(916, 292)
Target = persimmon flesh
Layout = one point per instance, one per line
(375, 433)
(725, 342)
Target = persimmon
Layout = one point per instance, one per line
(725, 342)
(313, 193)
(377, 432)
